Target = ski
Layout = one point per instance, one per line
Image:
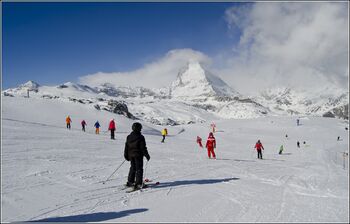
(136, 189)
(140, 189)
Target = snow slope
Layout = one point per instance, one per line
(50, 173)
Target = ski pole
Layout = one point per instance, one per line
(114, 172)
(143, 182)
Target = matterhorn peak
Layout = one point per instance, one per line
(195, 81)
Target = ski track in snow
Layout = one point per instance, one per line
(49, 171)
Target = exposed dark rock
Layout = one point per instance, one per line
(118, 107)
(328, 114)
(97, 107)
(292, 112)
(46, 96)
(8, 94)
(171, 122)
(207, 107)
(339, 112)
(82, 101)
(62, 86)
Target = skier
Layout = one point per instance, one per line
(286, 136)
(281, 150)
(83, 123)
(199, 141)
(97, 126)
(211, 145)
(298, 122)
(298, 144)
(164, 133)
(258, 147)
(112, 128)
(68, 121)
(338, 139)
(135, 150)
(213, 126)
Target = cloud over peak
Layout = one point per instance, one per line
(157, 74)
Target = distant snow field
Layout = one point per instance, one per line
(50, 173)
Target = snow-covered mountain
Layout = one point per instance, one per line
(195, 96)
(319, 102)
(23, 89)
(194, 82)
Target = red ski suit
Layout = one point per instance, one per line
(211, 144)
(111, 125)
(259, 146)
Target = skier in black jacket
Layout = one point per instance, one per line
(135, 150)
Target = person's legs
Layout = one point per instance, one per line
(259, 154)
(132, 171)
(139, 170)
(213, 153)
(163, 138)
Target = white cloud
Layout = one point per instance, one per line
(154, 75)
(294, 44)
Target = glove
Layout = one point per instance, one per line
(147, 157)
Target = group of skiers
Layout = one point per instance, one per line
(111, 127)
(135, 148)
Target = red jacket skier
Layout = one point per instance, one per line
(258, 147)
(112, 128)
(211, 144)
(199, 141)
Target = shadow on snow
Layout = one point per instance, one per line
(194, 182)
(93, 217)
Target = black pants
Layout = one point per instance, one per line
(83, 127)
(163, 138)
(136, 170)
(259, 154)
(112, 133)
(68, 125)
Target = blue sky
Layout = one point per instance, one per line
(52, 43)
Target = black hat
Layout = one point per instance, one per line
(136, 126)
